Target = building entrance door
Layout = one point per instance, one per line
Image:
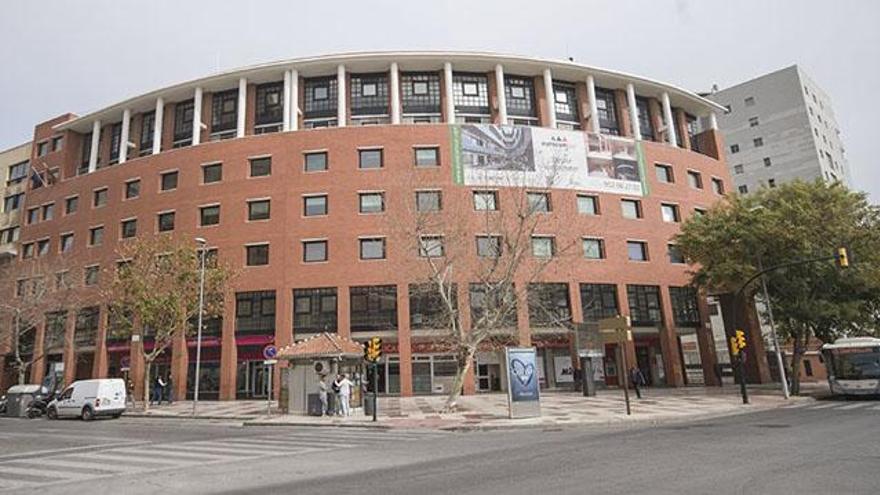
(253, 380)
(643, 361)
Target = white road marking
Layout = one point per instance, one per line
(857, 405)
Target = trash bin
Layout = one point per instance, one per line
(19, 398)
(368, 404)
(314, 405)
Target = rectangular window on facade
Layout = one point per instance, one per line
(165, 221)
(644, 305)
(212, 173)
(599, 301)
(753, 121)
(12, 202)
(319, 97)
(168, 181)
(565, 102)
(17, 173)
(315, 162)
(373, 202)
(674, 254)
(520, 93)
(33, 215)
(224, 111)
(258, 209)
(99, 197)
(485, 200)
(57, 143)
(209, 215)
(27, 250)
(427, 309)
(42, 247)
(431, 246)
(71, 204)
(734, 148)
(420, 93)
(543, 246)
(373, 308)
(637, 250)
(738, 169)
(646, 126)
(501, 298)
(9, 235)
(489, 246)
(261, 167)
(594, 249)
(771, 183)
(631, 208)
(372, 248)
(96, 236)
(587, 205)
(270, 105)
(695, 180)
(758, 142)
(315, 205)
(369, 159)
(427, 157)
(548, 305)
(148, 123)
(315, 310)
(128, 228)
(539, 202)
(42, 149)
(664, 173)
(314, 251)
(767, 162)
(255, 312)
(670, 213)
(90, 275)
(183, 123)
(749, 101)
(428, 201)
(48, 211)
(470, 94)
(115, 137)
(66, 244)
(607, 109)
(743, 189)
(257, 254)
(718, 186)
(132, 189)
(699, 212)
(685, 306)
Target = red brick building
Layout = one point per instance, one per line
(294, 172)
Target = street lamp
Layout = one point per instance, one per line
(780, 363)
(202, 252)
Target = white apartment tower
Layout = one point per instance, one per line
(780, 127)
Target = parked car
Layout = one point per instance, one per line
(88, 399)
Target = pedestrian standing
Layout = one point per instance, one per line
(169, 390)
(129, 392)
(336, 387)
(638, 380)
(322, 394)
(345, 387)
(158, 390)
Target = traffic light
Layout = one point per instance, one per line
(373, 349)
(734, 349)
(740, 339)
(842, 257)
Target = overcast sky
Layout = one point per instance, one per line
(58, 56)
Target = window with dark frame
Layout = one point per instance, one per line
(427, 157)
(543, 246)
(257, 254)
(18, 172)
(90, 275)
(99, 197)
(209, 215)
(470, 93)
(670, 213)
(489, 246)
(372, 248)
(115, 137)
(258, 209)
(369, 94)
(539, 202)
(148, 126)
(370, 159)
(695, 179)
(594, 248)
(66, 244)
(168, 181)
(319, 97)
(261, 167)
(128, 228)
(86, 153)
(315, 310)
(520, 93)
(315, 205)
(373, 308)
(431, 246)
(427, 309)
(420, 92)
(485, 200)
(13, 202)
(548, 305)
(674, 254)
(224, 111)
(183, 123)
(631, 208)
(565, 102)
(132, 189)
(718, 186)
(644, 305)
(269, 104)
(314, 251)
(212, 173)
(315, 162)
(166, 221)
(664, 173)
(371, 202)
(646, 125)
(96, 235)
(255, 312)
(637, 250)
(599, 301)
(607, 109)
(429, 201)
(501, 298)
(685, 306)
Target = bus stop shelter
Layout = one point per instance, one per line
(321, 356)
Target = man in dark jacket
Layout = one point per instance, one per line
(638, 380)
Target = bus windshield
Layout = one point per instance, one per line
(857, 364)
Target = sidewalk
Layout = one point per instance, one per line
(489, 411)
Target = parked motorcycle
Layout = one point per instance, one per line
(39, 405)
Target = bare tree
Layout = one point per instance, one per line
(496, 253)
(36, 291)
(154, 293)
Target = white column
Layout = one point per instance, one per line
(713, 121)
(395, 93)
(550, 97)
(341, 114)
(668, 120)
(123, 136)
(157, 125)
(197, 117)
(93, 151)
(285, 118)
(594, 107)
(450, 96)
(633, 112)
(500, 94)
(294, 100)
(241, 111)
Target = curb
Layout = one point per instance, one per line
(372, 426)
(186, 417)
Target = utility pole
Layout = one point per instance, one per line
(203, 251)
(783, 375)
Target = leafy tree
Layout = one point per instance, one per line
(156, 287)
(797, 221)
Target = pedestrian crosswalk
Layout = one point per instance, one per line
(139, 457)
(829, 406)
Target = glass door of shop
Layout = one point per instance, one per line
(252, 380)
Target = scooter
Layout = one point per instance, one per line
(39, 405)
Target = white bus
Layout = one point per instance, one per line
(853, 366)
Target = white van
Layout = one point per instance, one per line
(88, 399)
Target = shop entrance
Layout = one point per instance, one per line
(253, 380)
(489, 377)
(643, 361)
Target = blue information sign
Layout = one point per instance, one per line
(270, 352)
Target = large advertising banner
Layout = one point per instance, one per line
(493, 155)
(523, 393)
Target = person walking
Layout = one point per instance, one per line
(169, 390)
(638, 380)
(345, 387)
(322, 394)
(336, 387)
(158, 390)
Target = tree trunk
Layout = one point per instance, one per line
(22, 371)
(796, 357)
(465, 360)
(147, 364)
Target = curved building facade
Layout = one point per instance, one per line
(296, 172)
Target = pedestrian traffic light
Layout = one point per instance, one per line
(373, 349)
(842, 257)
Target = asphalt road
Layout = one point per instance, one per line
(822, 447)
